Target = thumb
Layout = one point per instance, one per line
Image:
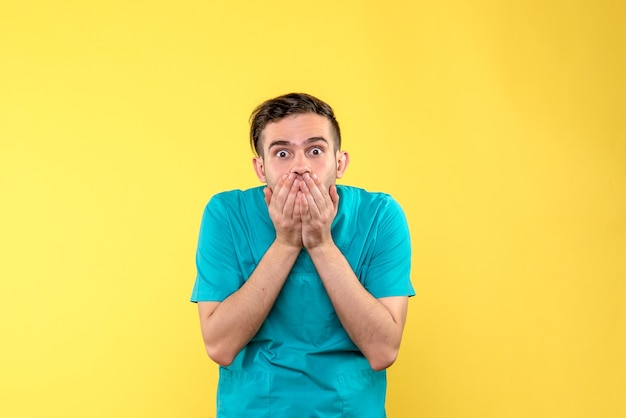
(267, 192)
(334, 196)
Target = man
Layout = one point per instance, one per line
(303, 285)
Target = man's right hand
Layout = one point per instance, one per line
(283, 204)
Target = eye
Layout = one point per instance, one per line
(282, 154)
(316, 151)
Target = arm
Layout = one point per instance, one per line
(374, 325)
(229, 325)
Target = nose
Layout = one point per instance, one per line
(300, 165)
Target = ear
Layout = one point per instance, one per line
(343, 159)
(259, 168)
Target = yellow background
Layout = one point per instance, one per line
(499, 126)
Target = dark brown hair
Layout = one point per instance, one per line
(280, 107)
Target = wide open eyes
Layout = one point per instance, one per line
(315, 151)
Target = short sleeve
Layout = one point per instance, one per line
(389, 269)
(218, 275)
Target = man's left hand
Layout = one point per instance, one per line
(318, 209)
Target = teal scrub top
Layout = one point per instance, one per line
(302, 363)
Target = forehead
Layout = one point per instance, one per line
(297, 129)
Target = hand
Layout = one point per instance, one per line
(318, 209)
(284, 206)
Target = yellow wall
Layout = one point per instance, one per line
(499, 126)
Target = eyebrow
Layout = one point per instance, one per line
(282, 143)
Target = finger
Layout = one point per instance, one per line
(305, 212)
(290, 201)
(267, 192)
(317, 191)
(334, 196)
(281, 191)
(313, 209)
(300, 206)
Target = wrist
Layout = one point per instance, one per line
(287, 246)
(322, 247)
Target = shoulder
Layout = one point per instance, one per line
(230, 198)
(235, 210)
(354, 197)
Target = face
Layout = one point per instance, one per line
(300, 143)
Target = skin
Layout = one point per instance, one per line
(300, 166)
